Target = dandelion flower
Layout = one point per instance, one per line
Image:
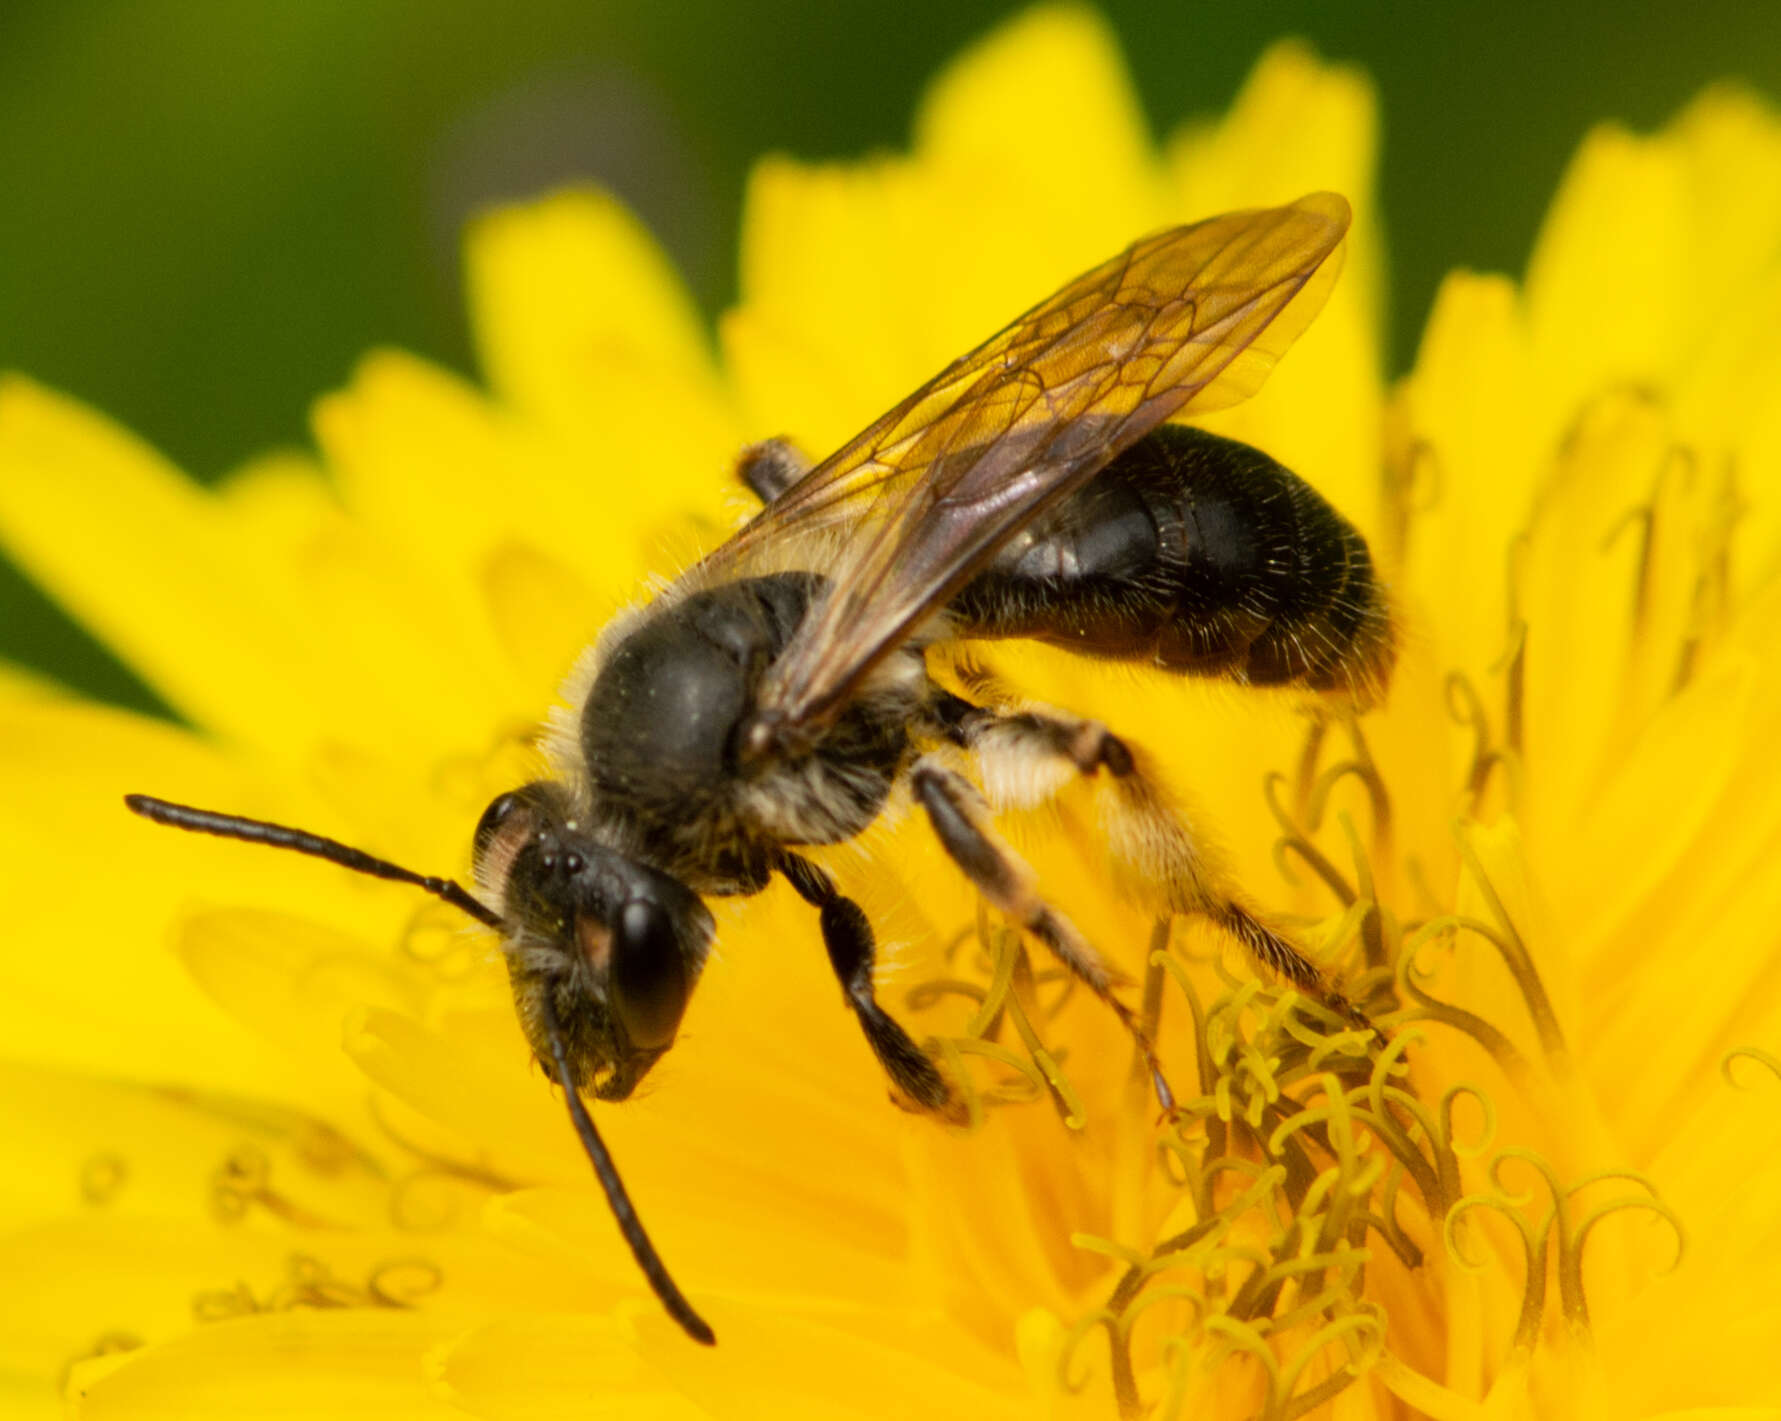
(298, 1159)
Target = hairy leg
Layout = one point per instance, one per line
(1163, 860)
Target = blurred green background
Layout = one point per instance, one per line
(209, 208)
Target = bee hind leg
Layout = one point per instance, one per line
(847, 934)
(960, 817)
(1167, 862)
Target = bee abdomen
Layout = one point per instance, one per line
(1200, 555)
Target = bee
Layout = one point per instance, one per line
(774, 696)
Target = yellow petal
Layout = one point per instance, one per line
(586, 330)
(1300, 126)
(150, 1276)
(853, 295)
(131, 1010)
(540, 1369)
(360, 1363)
(1482, 446)
(1044, 111)
(740, 1242)
(570, 279)
(192, 608)
(773, 1364)
(1651, 242)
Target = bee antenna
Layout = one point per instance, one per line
(278, 836)
(257, 831)
(622, 1210)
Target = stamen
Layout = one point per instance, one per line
(949, 1047)
(104, 1345)
(434, 1168)
(1513, 950)
(1256, 1046)
(1029, 1081)
(1361, 768)
(399, 1283)
(1641, 516)
(1712, 600)
(1069, 1379)
(1385, 1222)
(1571, 1239)
(1431, 1008)
(1375, 929)
(1241, 1336)
(1294, 840)
(1442, 1160)
(1011, 997)
(403, 1282)
(1766, 1059)
(1150, 1005)
(102, 1177)
(1419, 469)
(1309, 754)
(243, 1180)
(1365, 1323)
(1467, 710)
(435, 939)
(224, 1304)
(933, 990)
(1379, 1118)
(1515, 691)
(1425, 1396)
(1533, 1292)
(1487, 1129)
(1004, 946)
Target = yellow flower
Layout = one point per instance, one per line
(298, 1160)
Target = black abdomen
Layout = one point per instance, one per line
(1196, 554)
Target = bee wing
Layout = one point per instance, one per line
(1190, 317)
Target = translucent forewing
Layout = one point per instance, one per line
(1193, 317)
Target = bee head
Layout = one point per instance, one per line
(615, 944)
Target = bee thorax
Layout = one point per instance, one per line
(680, 754)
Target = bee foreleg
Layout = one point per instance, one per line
(847, 934)
(961, 820)
(771, 467)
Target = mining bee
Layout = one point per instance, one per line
(774, 695)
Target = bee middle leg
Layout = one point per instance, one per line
(1022, 755)
(960, 817)
(852, 952)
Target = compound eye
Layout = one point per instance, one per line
(648, 985)
(493, 820)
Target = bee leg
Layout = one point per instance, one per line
(960, 818)
(848, 936)
(771, 467)
(1024, 756)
